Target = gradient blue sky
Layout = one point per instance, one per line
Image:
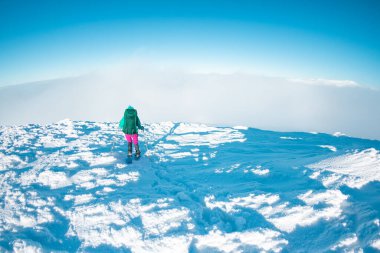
(295, 39)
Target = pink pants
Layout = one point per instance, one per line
(132, 137)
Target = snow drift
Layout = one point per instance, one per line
(198, 188)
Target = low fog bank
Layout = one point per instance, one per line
(234, 99)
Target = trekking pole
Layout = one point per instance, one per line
(113, 144)
(146, 146)
(113, 141)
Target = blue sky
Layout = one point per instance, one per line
(337, 40)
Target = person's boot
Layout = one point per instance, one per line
(129, 148)
(137, 149)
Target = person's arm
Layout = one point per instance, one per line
(124, 128)
(139, 126)
(121, 123)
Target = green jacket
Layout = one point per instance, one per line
(130, 122)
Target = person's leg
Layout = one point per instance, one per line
(135, 138)
(128, 137)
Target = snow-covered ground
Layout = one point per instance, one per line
(67, 187)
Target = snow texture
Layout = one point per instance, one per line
(197, 188)
(354, 169)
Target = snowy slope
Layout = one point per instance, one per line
(198, 188)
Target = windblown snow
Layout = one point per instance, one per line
(354, 169)
(198, 188)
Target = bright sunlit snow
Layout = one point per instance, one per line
(197, 188)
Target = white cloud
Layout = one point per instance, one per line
(179, 96)
(321, 81)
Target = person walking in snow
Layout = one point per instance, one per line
(130, 125)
